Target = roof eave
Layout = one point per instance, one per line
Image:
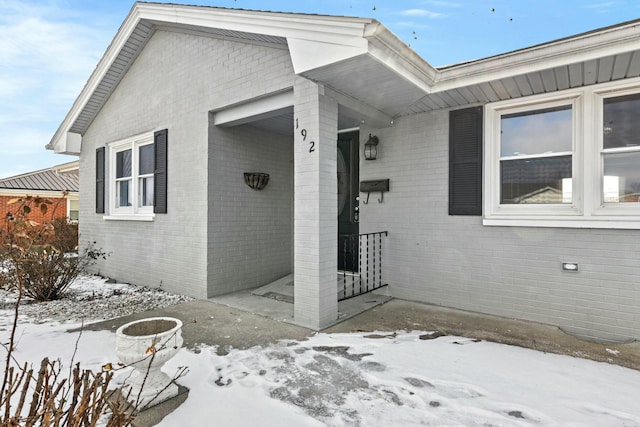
(387, 48)
(588, 46)
(60, 141)
(337, 38)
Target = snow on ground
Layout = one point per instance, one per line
(91, 298)
(367, 379)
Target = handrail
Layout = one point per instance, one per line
(361, 256)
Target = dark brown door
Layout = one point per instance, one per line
(348, 196)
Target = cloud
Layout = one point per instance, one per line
(24, 140)
(601, 5)
(44, 48)
(441, 3)
(410, 24)
(604, 7)
(423, 13)
(47, 53)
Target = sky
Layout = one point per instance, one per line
(48, 48)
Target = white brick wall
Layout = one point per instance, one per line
(429, 256)
(315, 206)
(250, 232)
(177, 79)
(455, 261)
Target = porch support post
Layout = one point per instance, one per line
(315, 206)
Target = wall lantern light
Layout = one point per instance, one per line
(370, 148)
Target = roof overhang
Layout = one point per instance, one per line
(320, 46)
(599, 56)
(361, 61)
(610, 41)
(10, 192)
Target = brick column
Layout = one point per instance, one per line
(315, 206)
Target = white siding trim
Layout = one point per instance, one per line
(255, 109)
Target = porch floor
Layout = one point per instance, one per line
(275, 301)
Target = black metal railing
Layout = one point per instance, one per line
(360, 264)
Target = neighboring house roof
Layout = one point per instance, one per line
(374, 73)
(542, 195)
(62, 177)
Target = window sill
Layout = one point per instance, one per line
(131, 217)
(600, 222)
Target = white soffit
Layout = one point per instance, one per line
(389, 50)
(257, 109)
(311, 54)
(67, 143)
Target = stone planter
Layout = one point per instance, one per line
(146, 345)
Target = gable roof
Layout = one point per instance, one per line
(62, 177)
(333, 49)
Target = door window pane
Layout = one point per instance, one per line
(621, 126)
(542, 131)
(545, 180)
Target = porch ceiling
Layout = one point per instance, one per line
(283, 123)
(370, 81)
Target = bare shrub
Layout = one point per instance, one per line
(36, 257)
(50, 274)
(80, 399)
(32, 263)
(65, 235)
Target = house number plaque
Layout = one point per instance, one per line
(303, 132)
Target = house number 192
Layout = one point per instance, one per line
(303, 132)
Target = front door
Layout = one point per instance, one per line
(348, 196)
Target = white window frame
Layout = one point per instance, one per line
(587, 209)
(602, 208)
(133, 212)
(72, 198)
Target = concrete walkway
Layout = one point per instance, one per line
(210, 323)
(398, 314)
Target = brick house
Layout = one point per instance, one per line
(50, 183)
(188, 99)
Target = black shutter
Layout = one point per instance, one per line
(465, 161)
(160, 172)
(100, 180)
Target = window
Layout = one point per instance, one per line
(74, 209)
(132, 171)
(570, 159)
(536, 156)
(131, 177)
(621, 149)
